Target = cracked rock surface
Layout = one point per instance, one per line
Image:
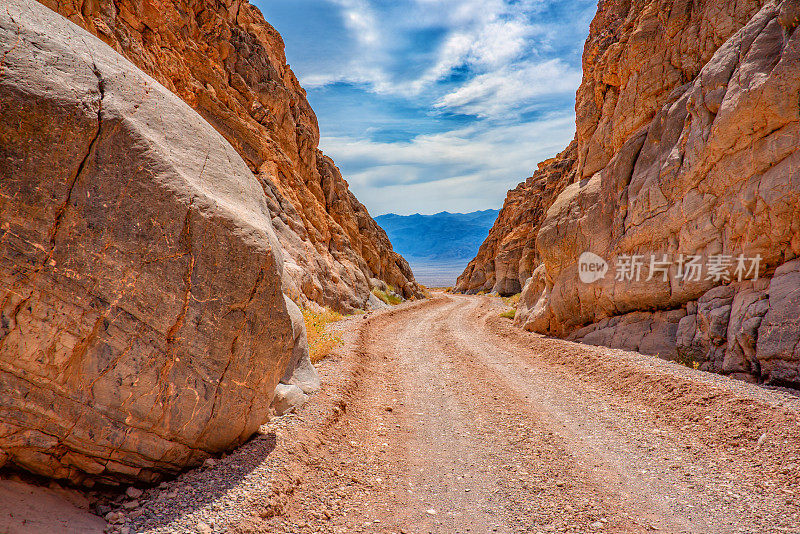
(143, 324)
(225, 61)
(688, 127)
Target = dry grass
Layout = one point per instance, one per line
(513, 300)
(320, 341)
(509, 314)
(387, 296)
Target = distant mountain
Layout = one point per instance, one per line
(442, 237)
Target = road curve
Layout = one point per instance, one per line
(439, 416)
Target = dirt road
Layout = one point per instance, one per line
(439, 416)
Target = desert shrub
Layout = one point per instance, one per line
(388, 297)
(509, 313)
(687, 361)
(320, 341)
(513, 300)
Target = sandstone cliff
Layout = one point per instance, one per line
(508, 255)
(143, 324)
(223, 59)
(687, 136)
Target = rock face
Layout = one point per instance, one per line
(508, 256)
(143, 324)
(688, 144)
(225, 61)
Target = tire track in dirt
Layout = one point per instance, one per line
(438, 416)
(599, 463)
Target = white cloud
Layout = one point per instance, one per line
(484, 35)
(499, 92)
(465, 169)
(487, 46)
(361, 21)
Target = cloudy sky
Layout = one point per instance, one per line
(432, 105)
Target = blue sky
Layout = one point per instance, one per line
(434, 105)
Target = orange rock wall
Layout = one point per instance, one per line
(228, 63)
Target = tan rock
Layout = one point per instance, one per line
(533, 313)
(778, 343)
(636, 54)
(142, 320)
(646, 332)
(748, 308)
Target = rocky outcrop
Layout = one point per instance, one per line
(225, 61)
(143, 324)
(687, 145)
(300, 380)
(508, 255)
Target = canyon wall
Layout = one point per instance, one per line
(224, 60)
(143, 323)
(508, 255)
(686, 155)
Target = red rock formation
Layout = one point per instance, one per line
(687, 143)
(228, 63)
(146, 256)
(508, 255)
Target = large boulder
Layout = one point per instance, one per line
(143, 324)
(778, 334)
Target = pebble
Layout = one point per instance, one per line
(133, 493)
(203, 528)
(431, 511)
